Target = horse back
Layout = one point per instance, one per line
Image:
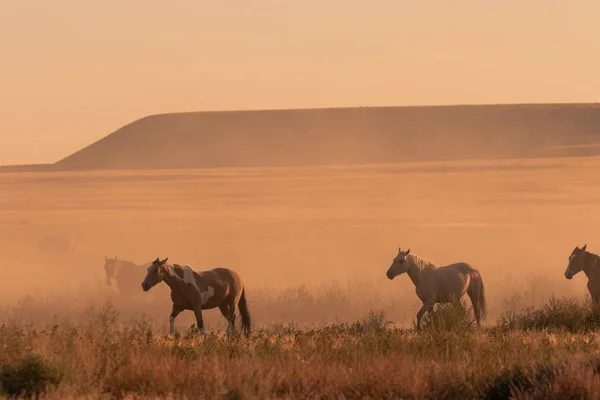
(222, 284)
(225, 281)
(222, 276)
(462, 267)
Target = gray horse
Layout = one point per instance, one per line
(440, 284)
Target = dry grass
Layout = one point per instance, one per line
(312, 246)
(99, 355)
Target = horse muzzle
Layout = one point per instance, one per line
(145, 287)
(568, 276)
(390, 275)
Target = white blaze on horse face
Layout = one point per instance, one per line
(571, 257)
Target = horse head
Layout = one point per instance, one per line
(110, 269)
(155, 274)
(576, 262)
(399, 264)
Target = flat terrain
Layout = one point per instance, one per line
(334, 136)
(312, 245)
(515, 220)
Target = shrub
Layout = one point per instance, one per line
(567, 314)
(451, 317)
(375, 322)
(519, 379)
(31, 376)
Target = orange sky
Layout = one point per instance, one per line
(72, 72)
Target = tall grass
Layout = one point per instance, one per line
(101, 354)
(557, 314)
(330, 342)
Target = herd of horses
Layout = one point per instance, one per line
(223, 288)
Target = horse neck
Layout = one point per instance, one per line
(418, 269)
(592, 262)
(171, 280)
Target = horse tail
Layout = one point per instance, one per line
(244, 313)
(482, 299)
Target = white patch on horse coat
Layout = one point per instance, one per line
(205, 296)
(190, 278)
(171, 270)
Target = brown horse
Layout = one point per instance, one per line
(125, 274)
(589, 263)
(440, 284)
(197, 291)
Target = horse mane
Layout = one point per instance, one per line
(595, 260)
(420, 264)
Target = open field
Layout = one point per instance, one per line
(312, 245)
(98, 357)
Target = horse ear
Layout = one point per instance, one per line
(408, 251)
(400, 249)
(163, 262)
(584, 247)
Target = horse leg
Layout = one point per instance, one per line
(427, 307)
(199, 321)
(593, 294)
(174, 313)
(228, 311)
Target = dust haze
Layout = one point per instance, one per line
(337, 136)
(312, 244)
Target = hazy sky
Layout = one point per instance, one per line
(73, 71)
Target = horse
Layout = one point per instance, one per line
(197, 291)
(440, 284)
(125, 274)
(583, 260)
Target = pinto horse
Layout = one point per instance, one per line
(440, 284)
(197, 291)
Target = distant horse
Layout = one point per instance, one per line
(589, 263)
(125, 274)
(440, 284)
(197, 291)
(55, 246)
